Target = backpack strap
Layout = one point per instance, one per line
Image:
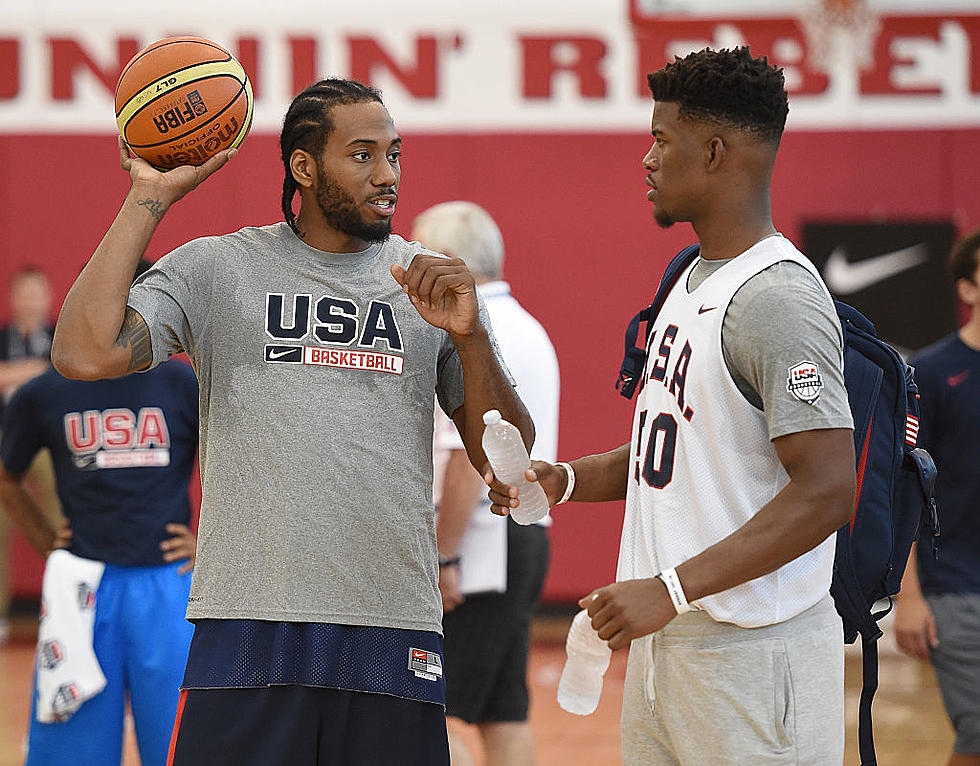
(869, 662)
(634, 358)
(860, 621)
(926, 471)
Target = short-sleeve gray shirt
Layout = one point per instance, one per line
(779, 318)
(316, 381)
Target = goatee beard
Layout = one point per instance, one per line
(664, 221)
(340, 211)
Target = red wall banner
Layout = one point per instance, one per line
(550, 142)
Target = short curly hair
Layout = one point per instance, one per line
(728, 87)
(965, 257)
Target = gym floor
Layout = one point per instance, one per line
(910, 723)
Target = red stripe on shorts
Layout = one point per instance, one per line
(173, 737)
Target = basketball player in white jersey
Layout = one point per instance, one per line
(741, 463)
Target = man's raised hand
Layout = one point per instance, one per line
(442, 290)
(158, 189)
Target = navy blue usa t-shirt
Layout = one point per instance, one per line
(123, 453)
(948, 376)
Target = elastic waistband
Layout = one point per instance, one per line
(698, 627)
(125, 569)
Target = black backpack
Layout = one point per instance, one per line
(895, 479)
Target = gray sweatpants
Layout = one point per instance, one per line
(957, 664)
(700, 692)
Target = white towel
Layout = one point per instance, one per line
(68, 672)
(483, 553)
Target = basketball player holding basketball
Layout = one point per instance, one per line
(317, 343)
(736, 475)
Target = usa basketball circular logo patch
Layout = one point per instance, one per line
(804, 382)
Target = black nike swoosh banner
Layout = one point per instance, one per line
(290, 354)
(893, 273)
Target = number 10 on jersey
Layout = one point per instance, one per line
(655, 458)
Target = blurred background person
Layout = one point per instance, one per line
(25, 342)
(25, 352)
(124, 453)
(937, 615)
(491, 569)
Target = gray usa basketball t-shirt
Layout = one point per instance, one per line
(316, 381)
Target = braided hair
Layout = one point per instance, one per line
(726, 87)
(308, 124)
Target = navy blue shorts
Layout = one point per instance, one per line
(306, 726)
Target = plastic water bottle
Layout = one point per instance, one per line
(588, 658)
(508, 457)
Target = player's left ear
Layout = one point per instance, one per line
(303, 167)
(715, 153)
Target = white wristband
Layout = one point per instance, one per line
(669, 578)
(570, 484)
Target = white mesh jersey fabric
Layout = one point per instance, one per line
(702, 462)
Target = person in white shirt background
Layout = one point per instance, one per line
(492, 570)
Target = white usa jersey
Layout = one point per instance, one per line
(702, 463)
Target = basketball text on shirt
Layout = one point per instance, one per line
(333, 321)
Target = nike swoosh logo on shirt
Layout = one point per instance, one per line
(845, 277)
(279, 353)
(704, 310)
(955, 380)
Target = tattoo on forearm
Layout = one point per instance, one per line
(155, 207)
(136, 336)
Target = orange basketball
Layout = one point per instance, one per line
(182, 100)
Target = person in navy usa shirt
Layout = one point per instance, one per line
(937, 615)
(124, 451)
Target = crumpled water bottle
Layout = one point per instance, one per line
(588, 657)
